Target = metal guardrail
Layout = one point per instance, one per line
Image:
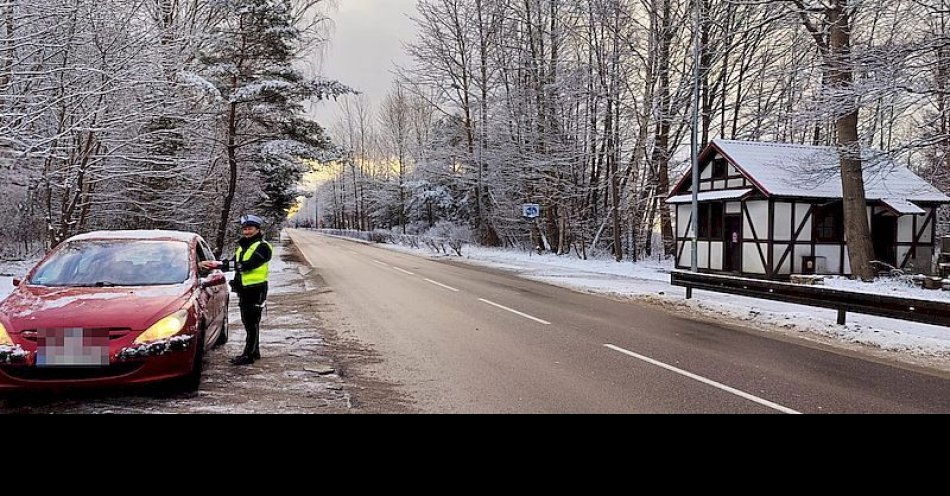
(913, 309)
(434, 243)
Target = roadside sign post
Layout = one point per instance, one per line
(694, 148)
(531, 212)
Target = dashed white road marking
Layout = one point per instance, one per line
(404, 271)
(437, 283)
(512, 310)
(381, 263)
(743, 394)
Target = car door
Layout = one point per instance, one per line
(220, 292)
(213, 298)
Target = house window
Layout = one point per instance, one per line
(710, 220)
(828, 222)
(703, 220)
(719, 169)
(715, 221)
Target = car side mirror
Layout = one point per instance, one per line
(16, 281)
(214, 280)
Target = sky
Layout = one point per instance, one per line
(366, 43)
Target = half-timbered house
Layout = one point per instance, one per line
(775, 209)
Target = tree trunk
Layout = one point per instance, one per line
(232, 181)
(661, 152)
(613, 147)
(841, 79)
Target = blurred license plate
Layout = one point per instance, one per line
(72, 348)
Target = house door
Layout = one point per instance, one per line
(884, 234)
(732, 245)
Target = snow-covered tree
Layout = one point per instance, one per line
(583, 106)
(258, 102)
(114, 113)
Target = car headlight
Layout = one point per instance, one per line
(165, 328)
(4, 337)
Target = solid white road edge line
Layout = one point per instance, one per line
(437, 283)
(302, 252)
(743, 394)
(512, 310)
(404, 271)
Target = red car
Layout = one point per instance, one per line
(111, 308)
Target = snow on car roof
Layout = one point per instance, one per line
(785, 169)
(142, 234)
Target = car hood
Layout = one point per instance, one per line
(32, 307)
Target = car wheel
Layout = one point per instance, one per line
(190, 382)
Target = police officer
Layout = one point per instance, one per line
(250, 263)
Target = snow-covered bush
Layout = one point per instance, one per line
(380, 236)
(447, 233)
(418, 227)
(440, 238)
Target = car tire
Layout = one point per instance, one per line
(190, 382)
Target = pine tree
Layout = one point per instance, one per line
(260, 97)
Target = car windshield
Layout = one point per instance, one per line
(115, 263)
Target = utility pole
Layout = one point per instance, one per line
(694, 137)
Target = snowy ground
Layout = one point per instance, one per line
(888, 286)
(650, 281)
(9, 270)
(297, 374)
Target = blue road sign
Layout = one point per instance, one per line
(531, 210)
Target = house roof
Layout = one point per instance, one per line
(726, 194)
(902, 207)
(783, 169)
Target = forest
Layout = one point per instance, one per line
(186, 114)
(584, 107)
(155, 114)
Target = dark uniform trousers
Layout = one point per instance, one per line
(251, 302)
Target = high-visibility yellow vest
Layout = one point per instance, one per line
(258, 275)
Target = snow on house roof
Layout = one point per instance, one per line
(784, 169)
(902, 207)
(142, 234)
(726, 194)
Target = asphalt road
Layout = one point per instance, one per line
(459, 338)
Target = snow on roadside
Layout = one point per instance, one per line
(11, 269)
(650, 281)
(888, 286)
(6, 286)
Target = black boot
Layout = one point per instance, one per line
(242, 360)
